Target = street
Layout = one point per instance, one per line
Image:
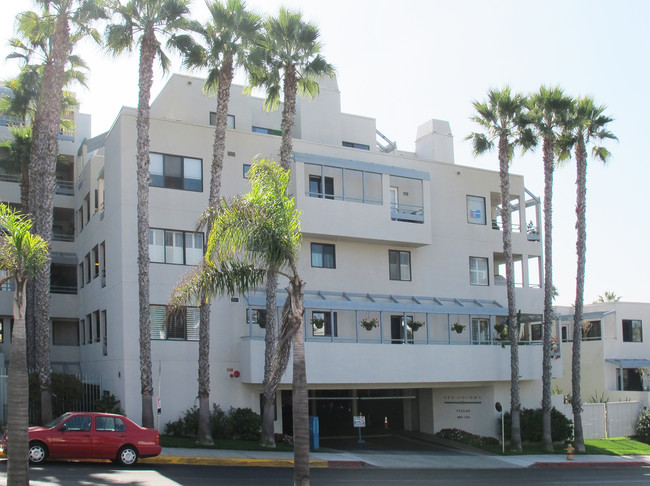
(77, 474)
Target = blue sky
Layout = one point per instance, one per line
(405, 62)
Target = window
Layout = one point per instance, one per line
(591, 331)
(322, 256)
(316, 186)
(63, 279)
(2, 336)
(102, 262)
(95, 253)
(536, 332)
(475, 210)
(96, 323)
(360, 146)
(109, 424)
(178, 247)
(399, 265)
(256, 316)
(82, 326)
(230, 121)
(9, 285)
(176, 172)
(632, 331)
(79, 423)
(246, 168)
(632, 379)
(105, 333)
(89, 325)
(65, 333)
(177, 325)
(478, 271)
(323, 324)
(87, 268)
(268, 131)
(480, 331)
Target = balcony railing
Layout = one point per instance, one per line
(63, 289)
(65, 188)
(406, 212)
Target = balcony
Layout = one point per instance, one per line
(352, 199)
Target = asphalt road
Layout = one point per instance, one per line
(78, 474)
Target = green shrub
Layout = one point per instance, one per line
(218, 422)
(108, 404)
(643, 427)
(244, 423)
(186, 426)
(468, 438)
(531, 425)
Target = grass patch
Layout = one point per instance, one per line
(234, 445)
(618, 446)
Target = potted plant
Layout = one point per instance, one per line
(318, 322)
(369, 324)
(458, 327)
(415, 325)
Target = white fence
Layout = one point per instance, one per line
(603, 420)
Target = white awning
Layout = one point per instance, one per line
(630, 363)
(326, 300)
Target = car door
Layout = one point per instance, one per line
(109, 436)
(72, 438)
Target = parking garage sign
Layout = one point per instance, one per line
(359, 421)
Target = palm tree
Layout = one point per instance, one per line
(227, 37)
(62, 24)
(142, 22)
(253, 233)
(503, 120)
(549, 111)
(608, 297)
(21, 255)
(288, 54)
(588, 127)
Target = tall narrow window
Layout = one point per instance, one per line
(399, 265)
(632, 331)
(475, 210)
(478, 271)
(322, 256)
(324, 324)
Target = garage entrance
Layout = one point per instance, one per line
(385, 411)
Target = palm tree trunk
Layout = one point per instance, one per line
(41, 195)
(270, 341)
(147, 52)
(548, 149)
(513, 331)
(218, 151)
(17, 396)
(300, 399)
(205, 425)
(288, 116)
(581, 250)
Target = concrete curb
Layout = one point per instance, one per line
(236, 461)
(562, 465)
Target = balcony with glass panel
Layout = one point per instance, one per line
(353, 199)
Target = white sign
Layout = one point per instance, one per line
(359, 421)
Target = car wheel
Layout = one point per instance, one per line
(37, 453)
(127, 456)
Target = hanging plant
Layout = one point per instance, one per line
(458, 327)
(415, 325)
(369, 324)
(318, 322)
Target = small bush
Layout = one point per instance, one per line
(186, 426)
(219, 422)
(67, 392)
(458, 435)
(244, 423)
(283, 439)
(531, 425)
(238, 423)
(108, 404)
(643, 427)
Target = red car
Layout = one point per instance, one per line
(81, 435)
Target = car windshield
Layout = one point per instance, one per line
(57, 420)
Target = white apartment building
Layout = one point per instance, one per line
(410, 239)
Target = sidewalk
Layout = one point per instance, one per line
(398, 459)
